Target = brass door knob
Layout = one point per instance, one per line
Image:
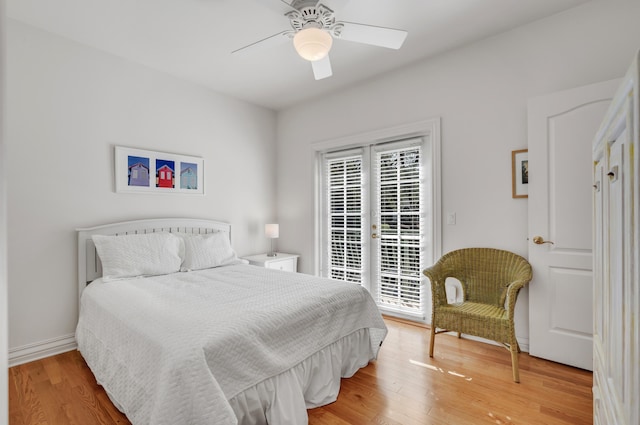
(539, 240)
(374, 235)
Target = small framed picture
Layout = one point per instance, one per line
(520, 173)
(138, 170)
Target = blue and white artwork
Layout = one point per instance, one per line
(188, 176)
(138, 171)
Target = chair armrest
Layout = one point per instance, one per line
(512, 295)
(437, 277)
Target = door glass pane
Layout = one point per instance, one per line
(398, 185)
(345, 190)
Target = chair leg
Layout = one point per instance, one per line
(514, 362)
(459, 335)
(433, 338)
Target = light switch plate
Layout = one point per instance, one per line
(451, 218)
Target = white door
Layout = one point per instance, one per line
(562, 127)
(398, 227)
(374, 222)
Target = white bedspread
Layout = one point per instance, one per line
(173, 349)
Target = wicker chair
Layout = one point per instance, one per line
(491, 279)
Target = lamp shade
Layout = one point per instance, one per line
(271, 230)
(312, 43)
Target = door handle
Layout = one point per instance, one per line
(374, 235)
(539, 240)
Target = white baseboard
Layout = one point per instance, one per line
(51, 347)
(522, 342)
(39, 350)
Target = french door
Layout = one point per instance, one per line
(374, 231)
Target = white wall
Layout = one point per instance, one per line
(4, 328)
(68, 105)
(480, 92)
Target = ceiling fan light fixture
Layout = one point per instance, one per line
(312, 43)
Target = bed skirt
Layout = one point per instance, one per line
(285, 398)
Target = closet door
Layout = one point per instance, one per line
(616, 372)
(616, 320)
(614, 356)
(600, 296)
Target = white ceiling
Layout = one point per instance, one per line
(193, 39)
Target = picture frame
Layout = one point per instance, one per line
(145, 171)
(520, 173)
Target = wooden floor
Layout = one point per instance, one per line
(467, 382)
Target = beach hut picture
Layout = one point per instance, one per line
(165, 174)
(138, 171)
(188, 176)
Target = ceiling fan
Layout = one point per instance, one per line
(314, 27)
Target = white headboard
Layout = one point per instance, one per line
(89, 266)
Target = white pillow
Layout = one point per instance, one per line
(207, 251)
(138, 255)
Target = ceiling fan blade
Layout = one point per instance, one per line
(270, 41)
(369, 34)
(298, 4)
(278, 6)
(322, 68)
(336, 5)
(289, 3)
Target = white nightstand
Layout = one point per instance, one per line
(282, 261)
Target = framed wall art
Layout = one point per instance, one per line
(143, 171)
(520, 173)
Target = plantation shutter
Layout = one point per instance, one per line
(399, 217)
(374, 222)
(345, 200)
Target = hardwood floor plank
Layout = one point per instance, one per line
(16, 411)
(324, 417)
(466, 383)
(52, 369)
(27, 396)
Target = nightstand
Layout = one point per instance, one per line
(282, 261)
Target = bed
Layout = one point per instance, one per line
(178, 330)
